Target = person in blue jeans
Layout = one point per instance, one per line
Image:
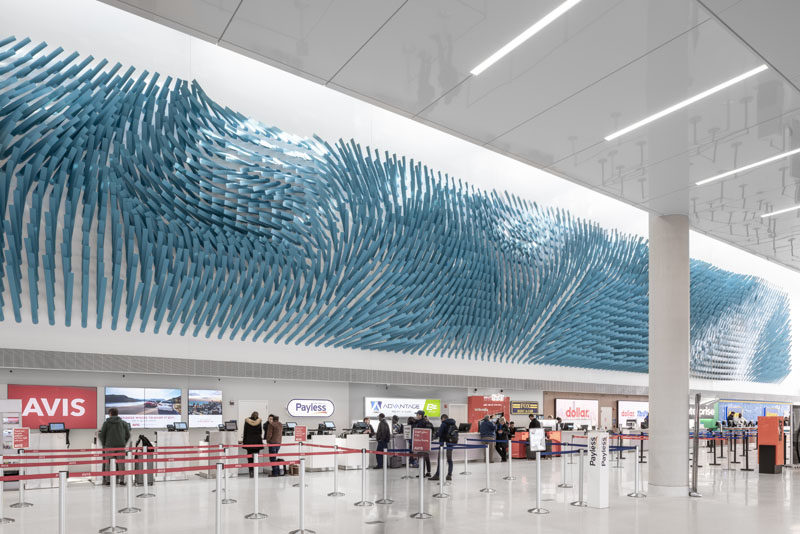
(384, 436)
(273, 436)
(448, 435)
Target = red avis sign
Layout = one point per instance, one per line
(74, 406)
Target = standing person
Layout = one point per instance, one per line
(369, 430)
(114, 434)
(397, 428)
(511, 429)
(411, 459)
(487, 430)
(534, 422)
(502, 439)
(559, 424)
(273, 438)
(251, 435)
(383, 435)
(422, 422)
(448, 436)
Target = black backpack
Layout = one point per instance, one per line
(452, 434)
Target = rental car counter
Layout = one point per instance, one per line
(45, 440)
(172, 439)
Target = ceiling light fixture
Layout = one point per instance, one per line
(524, 36)
(687, 102)
(748, 167)
(778, 212)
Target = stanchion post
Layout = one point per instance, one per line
(300, 454)
(509, 454)
(3, 520)
(747, 456)
(564, 483)
(21, 503)
(488, 488)
(580, 501)
(301, 527)
(641, 448)
(62, 502)
(637, 474)
(538, 509)
(113, 528)
(440, 469)
(713, 450)
(256, 514)
(227, 499)
(735, 439)
(129, 508)
(385, 499)
(408, 469)
(147, 494)
(335, 492)
(218, 502)
(466, 460)
(421, 514)
(363, 501)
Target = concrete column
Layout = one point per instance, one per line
(669, 355)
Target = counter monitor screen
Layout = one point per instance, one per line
(56, 427)
(359, 425)
(568, 426)
(231, 426)
(630, 423)
(290, 425)
(329, 425)
(464, 427)
(181, 426)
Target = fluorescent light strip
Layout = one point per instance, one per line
(748, 167)
(524, 36)
(687, 102)
(785, 210)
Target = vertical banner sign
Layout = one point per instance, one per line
(21, 438)
(597, 465)
(421, 440)
(300, 433)
(538, 442)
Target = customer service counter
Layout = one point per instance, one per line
(321, 462)
(39, 440)
(358, 442)
(166, 439)
(219, 438)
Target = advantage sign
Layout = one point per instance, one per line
(597, 464)
(21, 438)
(300, 433)
(421, 440)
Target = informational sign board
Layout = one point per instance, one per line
(597, 466)
(537, 440)
(300, 433)
(491, 405)
(21, 438)
(578, 411)
(205, 408)
(310, 408)
(76, 407)
(627, 410)
(421, 440)
(401, 407)
(407, 431)
(524, 407)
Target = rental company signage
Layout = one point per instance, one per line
(578, 411)
(421, 440)
(632, 410)
(300, 433)
(524, 407)
(597, 465)
(310, 408)
(21, 438)
(401, 407)
(75, 407)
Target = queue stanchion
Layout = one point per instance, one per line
(113, 528)
(256, 514)
(440, 469)
(129, 508)
(21, 503)
(488, 488)
(385, 499)
(747, 456)
(218, 502)
(300, 454)
(466, 464)
(735, 439)
(3, 520)
(509, 455)
(408, 469)
(421, 514)
(641, 448)
(363, 501)
(721, 448)
(538, 509)
(713, 451)
(335, 492)
(580, 501)
(147, 494)
(564, 483)
(62, 502)
(301, 526)
(572, 443)
(637, 475)
(227, 499)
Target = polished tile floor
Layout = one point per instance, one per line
(733, 501)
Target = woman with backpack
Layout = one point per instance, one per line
(448, 436)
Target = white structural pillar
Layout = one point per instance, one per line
(669, 355)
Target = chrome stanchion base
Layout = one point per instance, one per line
(303, 531)
(363, 503)
(488, 490)
(421, 515)
(297, 485)
(637, 495)
(465, 473)
(228, 501)
(145, 495)
(578, 503)
(129, 510)
(538, 511)
(336, 494)
(112, 530)
(510, 478)
(406, 477)
(441, 495)
(256, 515)
(21, 505)
(384, 501)
(694, 494)
(564, 485)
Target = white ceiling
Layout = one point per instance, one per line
(602, 66)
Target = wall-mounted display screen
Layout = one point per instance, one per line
(205, 408)
(145, 407)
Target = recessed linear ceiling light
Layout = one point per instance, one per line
(778, 212)
(748, 167)
(687, 102)
(524, 36)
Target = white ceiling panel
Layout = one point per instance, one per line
(207, 18)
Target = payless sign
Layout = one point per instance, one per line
(597, 465)
(74, 406)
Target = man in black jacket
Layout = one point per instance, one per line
(422, 422)
(444, 434)
(534, 422)
(383, 435)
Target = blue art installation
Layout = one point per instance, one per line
(129, 201)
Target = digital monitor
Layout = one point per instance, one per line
(359, 425)
(231, 426)
(180, 426)
(568, 426)
(290, 425)
(329, 425)
(205, 408)
(44, 428)
(145, 407)
(221, 427)
(630, 423)
(584, 427)
(56, 427)
(464, 427)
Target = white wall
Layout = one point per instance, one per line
(305, 108)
